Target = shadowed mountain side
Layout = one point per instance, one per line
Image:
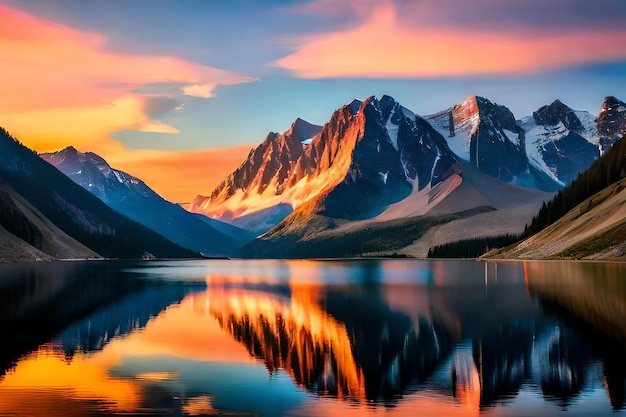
(237, 233)
(14, 249)
(77, 212)
(611, 122)
(134, 199)
(27, 234)
(263, 220)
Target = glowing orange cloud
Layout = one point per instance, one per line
(48, 130)
(180, 175)
(60, 86)
(383, 46)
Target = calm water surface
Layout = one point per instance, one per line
(305, 338)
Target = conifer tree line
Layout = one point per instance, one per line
(472, 248)
(606, 170)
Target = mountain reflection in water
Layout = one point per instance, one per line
(313, 338)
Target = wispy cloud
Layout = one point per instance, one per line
(389, 42)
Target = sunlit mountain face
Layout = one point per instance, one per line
(277, 338)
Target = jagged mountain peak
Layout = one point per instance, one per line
(558, 103)
(360, 160)
(560, 141)
(75, 161)
(70, 150)
(612, 103)
(475, 103)
(557, 112)
(302, 131)
(487, 135)
(354, 105)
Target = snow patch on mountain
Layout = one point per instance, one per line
(457, 124)
(392, 129)
(537, 136)
(589, 129)
(511, 136)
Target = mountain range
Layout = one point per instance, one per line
(376, 179)
(377, 169)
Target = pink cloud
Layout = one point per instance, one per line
(382, 45)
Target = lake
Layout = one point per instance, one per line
(312, 338)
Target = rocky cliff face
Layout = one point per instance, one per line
(611, 122)
(561, 141)
(487, 135)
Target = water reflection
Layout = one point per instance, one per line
(449, 338)
(590, 299)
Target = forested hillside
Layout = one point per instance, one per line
(606, 170)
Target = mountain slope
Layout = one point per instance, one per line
(75, 211)
(133, 198)
(595, 229)
(587, 219)
(256, 196)
(39, 238)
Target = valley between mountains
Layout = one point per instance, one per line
(375, 180)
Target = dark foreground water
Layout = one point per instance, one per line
(304, 338)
